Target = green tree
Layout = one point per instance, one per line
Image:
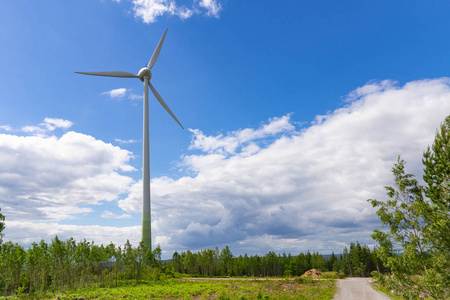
(225, 259)
(345, 266)
(34, 265)
(436, 161)
(58, 255)
(130, 260)
(318, 262)
(339, 265)
(404, 248)
(12, 259)
(331, 261)
(206, 261)
(118, 262)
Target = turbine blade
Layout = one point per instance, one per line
(161, 101)
(156, 52)
(111, 74)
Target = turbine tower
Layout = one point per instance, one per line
(144, 75)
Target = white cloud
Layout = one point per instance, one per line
(110, 215)
(135, 97)
(121, 93)
(213, 8)
(131, 141)
(306, 189)
(149, 10)
(234, 140)
(372, 87)
(26, 232)
(49, 124)
(6, 127)
(255, 189)
(52, 123)
(33, 129)
(116, 93)
(51, 178)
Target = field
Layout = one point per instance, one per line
(206, 289)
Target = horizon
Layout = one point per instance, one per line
(295, 114)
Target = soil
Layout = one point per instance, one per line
(314, 273)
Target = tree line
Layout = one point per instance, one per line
(356, 261)
(68, 264)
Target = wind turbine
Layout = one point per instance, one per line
(144, 75)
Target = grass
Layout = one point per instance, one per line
(332, 275)
(378, 287)
(207, 289)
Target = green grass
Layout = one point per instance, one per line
(332, 275)
(205, 289)
(378, 287)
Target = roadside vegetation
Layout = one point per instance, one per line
(416, 248)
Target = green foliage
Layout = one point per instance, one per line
(12, 258)
(404, 248)
(332, 275)
(416, 248)
(70, 265)
(359, 261)
(208, 262)
(207, 289)
(437, 178)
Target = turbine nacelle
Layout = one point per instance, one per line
(144, 72)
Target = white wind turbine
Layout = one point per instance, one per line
(144, 75)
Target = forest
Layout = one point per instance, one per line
(67, 264)
(412, 256)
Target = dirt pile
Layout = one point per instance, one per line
(314, 273)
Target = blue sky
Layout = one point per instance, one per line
(294, 111)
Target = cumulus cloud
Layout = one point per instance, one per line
(26, 232)
(149, 10)
(372, 87)
(306, 189)
(240, 138)
(49, 178)
(274, 187)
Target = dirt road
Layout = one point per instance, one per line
(357, 289)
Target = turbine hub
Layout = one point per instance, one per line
(144, 72)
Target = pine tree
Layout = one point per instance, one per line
(403, 248)
(437, 177)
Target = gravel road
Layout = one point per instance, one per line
(357, 289)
